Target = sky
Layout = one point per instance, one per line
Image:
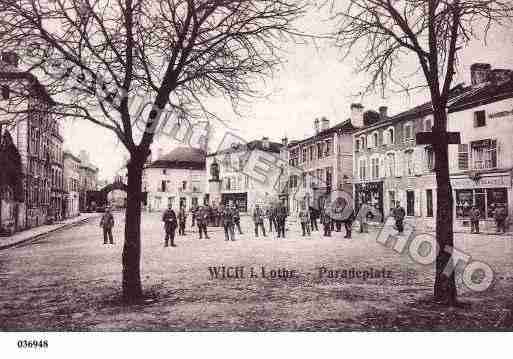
(314, 81)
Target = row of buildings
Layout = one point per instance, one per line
(371, 155)
(41, 182)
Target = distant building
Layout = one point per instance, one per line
(176, 178)
(36, 134)
(71, 184)
(390, 167)
(88, 181)
(321, 164)
(239, 179)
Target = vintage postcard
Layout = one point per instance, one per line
(255, 166)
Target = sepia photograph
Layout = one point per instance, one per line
(247, 166)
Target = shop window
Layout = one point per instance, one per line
(391, 199)
(496, 197)
(479, 118)
(429, 203)
(410, 203)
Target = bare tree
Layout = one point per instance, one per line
(98, 55)
(389, 33)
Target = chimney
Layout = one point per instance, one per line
(316, 126)
(284, 141)
(265, 142)
(479, 73)
(500, 76)
(383, 112)
(9, 61)
(325, 124)
(357, 114)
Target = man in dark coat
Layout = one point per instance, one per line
(348, 224)
(314, 214)
(399, 213)
(326, 220)
(107, 222)
(281, 217)
(500, 216)
(271, 215)
(170, 223)
(202, 216)
(258, 219)
(182, 218)
(236, 218)
(227, 216)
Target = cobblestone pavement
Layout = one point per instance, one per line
(71, 281)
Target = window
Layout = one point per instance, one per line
(328, 148)
(163, 186)
(407, 132)
(375, 167)
(357, 145)
(304, 152)
(484, 154)
(5, 92)
(363, 165)
(170, 201)
(410, 203)
(430, 158)
(312, 150)
(479, 118)
(319, 150)
(391, 199)
(429, 203)
(428, 125)
(184, 185)
(391, 164)
(164, 172)
(375, 139)
(293, 181)
(463, 156)
(303, 180)
(362, 143)
(409, 163)
(329, 176)
(391, 137)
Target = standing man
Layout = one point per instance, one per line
(399, 214)
(202, 220)
(236, 218)
(258, 219)
(337, 213)
(182, 218)
(194, 211)
(304, 219)
(281, 217)
(270, 216)
(227, 213)
(326, 219)
(475, 214)
(314, 214)
(500, 218)
(107, 222)
(348, 225)
(169, 219)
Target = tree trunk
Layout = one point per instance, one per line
(445, 284)
(132, 289)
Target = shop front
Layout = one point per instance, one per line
(370, 193)
(486, 192)
(240, 200)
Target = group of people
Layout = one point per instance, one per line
(500, 215)
(331, 218)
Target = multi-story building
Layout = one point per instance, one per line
(88, 181)
(176, 178)
(71, 184)
(37, 137)
(237, 177)
(390, 167)
(322, 163)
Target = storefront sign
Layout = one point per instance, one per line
(502, 181)
(500, 114)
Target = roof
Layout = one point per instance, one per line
(181, 158)
(460, 98)
(274, 147)
(40, 90)
(344, 126)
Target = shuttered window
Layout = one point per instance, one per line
(463, 156)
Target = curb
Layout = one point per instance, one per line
(41, 235)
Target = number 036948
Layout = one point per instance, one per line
(33, 344)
